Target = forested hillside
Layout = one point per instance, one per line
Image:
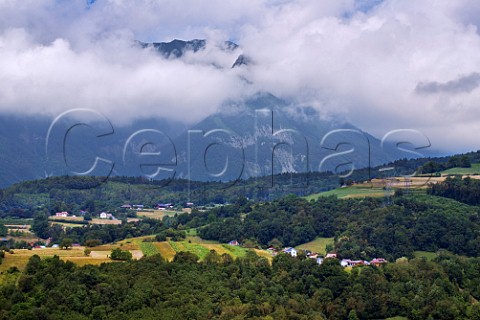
(363, 228)
(465, 190)
(247, 288)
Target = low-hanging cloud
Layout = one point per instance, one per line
(382, 65)
(137, 83)
(462, 84)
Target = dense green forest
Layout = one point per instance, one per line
(102, 233)
(259, 213)
(363, 228)
(96, 194)
(465, 190)
(246, 288)
(434, 166)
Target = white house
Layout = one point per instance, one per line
(291, 251)
(105, 215)
(61, 214)
(353, 263)
(164, 206)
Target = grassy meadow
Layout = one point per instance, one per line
(475, 169)
(318, 245)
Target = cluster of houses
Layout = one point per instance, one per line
(133, 206)
(164, 206)
(103, 215)
(343, 262)
(62, 214)
(109, 216)
(158, 206)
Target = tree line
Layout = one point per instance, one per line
(362, 228)
(465, 190)
(245, 288)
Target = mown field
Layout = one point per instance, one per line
(136, 246)
(20, 257)
(195, 245)
(80, 221)
(350, 192)
(376, 187)
(98, 254)
(156, 214)
(475, 169)
(425, 254)
(318, 245)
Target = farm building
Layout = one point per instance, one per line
(61, 214)
(164, 206)
(378, 262)
(105, 215)
(291, 251)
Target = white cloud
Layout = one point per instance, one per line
(136, 83)
(365, 65)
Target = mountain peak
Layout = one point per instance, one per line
(241, 60)
(177, 48)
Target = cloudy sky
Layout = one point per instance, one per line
(382, 65)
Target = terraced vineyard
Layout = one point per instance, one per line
(148, 248)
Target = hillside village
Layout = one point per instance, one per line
(344, 262)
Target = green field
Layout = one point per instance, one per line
(349, 192)
(425, 254)
(16, 221)
(136, 246)
(156, 214)
(318, 245)
(69, 224)
(201, 248)
(475, 169)
(191, 232)
(235, 251)
(20, 257)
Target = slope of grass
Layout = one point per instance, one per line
(166, 250)
(148, 248)
(235, 251)
(425, 254)
(201, 248)
(156, 214)
(475, 169)
(191, 232)
(196, 248)
(20, 257)
(318, 245)
(348, 192)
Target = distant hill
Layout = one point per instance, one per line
(23, 153)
